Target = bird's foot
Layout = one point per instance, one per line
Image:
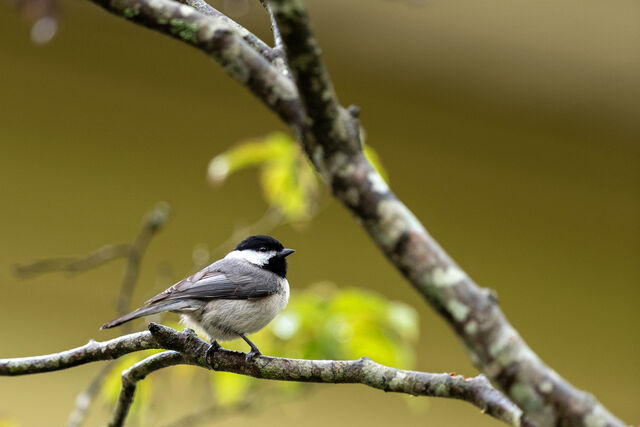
(254, 350)
(252, 354)
(211, 351)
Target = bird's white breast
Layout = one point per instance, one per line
(225, 319)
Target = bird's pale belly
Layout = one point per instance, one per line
(224, 320)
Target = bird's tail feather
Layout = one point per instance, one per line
(145, 311)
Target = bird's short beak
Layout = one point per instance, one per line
(285, 252)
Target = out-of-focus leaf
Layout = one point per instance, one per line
(286, 325)
(8, 423)
(230, 388)
(287, 181)
(289, 185)
(247, 154)
(405, 319)
(324, 322)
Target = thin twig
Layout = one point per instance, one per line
(250, 38)
(277, 37)
(192, 350)
(153, 222)
(73, 264)
(84, 399)
(278, 46)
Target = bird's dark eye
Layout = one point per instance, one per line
(262, 249)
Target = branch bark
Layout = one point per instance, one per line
(93, 351)
(250, 38)
(187, 348)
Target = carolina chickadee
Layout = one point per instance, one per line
(237, 295)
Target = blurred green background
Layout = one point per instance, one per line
(510, 128)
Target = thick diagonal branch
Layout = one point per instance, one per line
(328, 126)
(187, 348)
(333, 145)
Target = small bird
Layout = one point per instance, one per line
(237, 295)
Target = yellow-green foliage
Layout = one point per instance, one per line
(288, 183)
(324, 322)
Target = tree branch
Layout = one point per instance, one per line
(250, 38)
(215, 37)
(152, 223)
(138, 372)
(329, 126)
(187, 348)
(93, 351)
(278, 45)
(73, 264)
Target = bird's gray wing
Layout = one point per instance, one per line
(216, 282)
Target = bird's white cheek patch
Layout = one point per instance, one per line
(254, 257)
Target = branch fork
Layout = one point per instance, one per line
(186, 348)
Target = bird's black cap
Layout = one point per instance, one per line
(277, 263)
(260, 243)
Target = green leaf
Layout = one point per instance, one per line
(250, 153)
(323, 322)
(290, 186)
(287, 181)
(229, 388)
